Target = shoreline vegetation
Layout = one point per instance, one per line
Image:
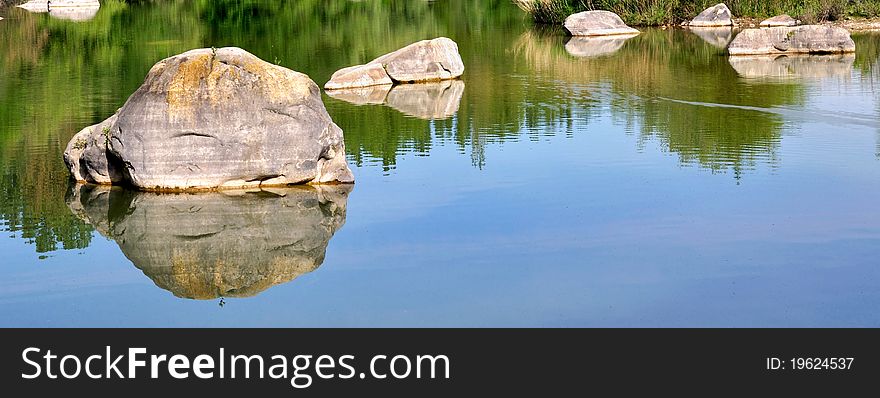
(674, 12)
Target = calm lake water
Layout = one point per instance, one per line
(652, 181)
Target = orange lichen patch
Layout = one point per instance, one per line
(183, 90)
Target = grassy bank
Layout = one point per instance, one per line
(663, 12)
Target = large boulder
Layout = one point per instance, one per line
(218, 118)
(233, 243)
(424, 61)
(717, 15)
(807, 39)
(597, 23)
(780, 20)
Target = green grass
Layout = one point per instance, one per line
(663, 12)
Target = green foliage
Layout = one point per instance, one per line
(662, 12)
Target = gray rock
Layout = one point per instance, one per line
(718, 37)
(429, 101)
(424, 61)
(780, 20)
(223, 118)
(218, 244)
(87, 158)
(783, 67)
(812, 39)
(597, 23)
(594, 47)
(717, 15)
(372, 74)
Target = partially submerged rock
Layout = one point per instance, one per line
(368, 75)
(784, 67)
(597, 23)
(430, 101)
(218, 244)
(594, 47)
(424, 61)
(807, 39)
(209, 119)
(780, 20)
(717, 15)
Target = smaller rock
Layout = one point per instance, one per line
(717, 15)
(372, 74)
(597, 23)
(424, 61)
(427, 60)
(807, 39)
(780, 20)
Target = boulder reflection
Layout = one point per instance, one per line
(598, 46)
(218, 244)
(429, 101)
(719, 37)
(772, 67)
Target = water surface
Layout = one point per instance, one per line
(642, 181)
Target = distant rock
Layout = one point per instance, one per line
(717, 15)
(594, 47)
(429, 101)
(48, 6)
(780, 20)
(718, 37)
(208, 119)
(234, 243)
(782, 67)
(812, 39)
(597, 23)
(424, 61)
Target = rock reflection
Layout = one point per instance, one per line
(429, 101)
(718, 37)
(76, 14)
(219, 244)
(71, 10)
(598, 46)
(793, 67)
